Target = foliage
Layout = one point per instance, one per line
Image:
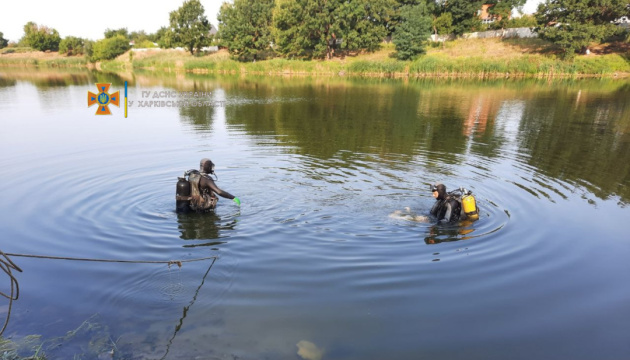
(443, 24)
(464, 13)
(245, 28)
(144, 44)
(41, 38)
(110, 33)
(190, 27)
(71, 45)
(526, 20)
(3, 42)
(573, 25)
(315, 28)
(412, 33)
(306, 28)
(502, 11)
(362, 23)
(164, 38)
(139, 36)
(107, 49)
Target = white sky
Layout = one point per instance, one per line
(90, 19)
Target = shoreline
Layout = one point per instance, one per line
(463, 60)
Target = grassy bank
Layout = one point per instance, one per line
(473, 58)
(28, 57)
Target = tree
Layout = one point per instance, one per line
(443, 24)
(363, 23)
(502, 10)
(3, 42)
(573, 25)
(190, 27)
(110, 33)
(412, 32)
(464, 13)
(71, 45)
(315, 28)
(163, 37)
(523, 21)
(109, 48)
(245, 27)
(306, 28)
(41, 38)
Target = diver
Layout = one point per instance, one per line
(199, 192)
(451, 207)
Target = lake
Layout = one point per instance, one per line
(322, 259)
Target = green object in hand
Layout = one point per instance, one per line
(237, 201)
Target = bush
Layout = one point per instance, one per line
(3, 42)
(109, 48)
(144, 44)
(41, 38)
(72, 46)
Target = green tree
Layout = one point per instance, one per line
(3, 42)
(315, 28)
(464, 13)
(110, 33)
(412, 32)
(306, 28)
(138, 36)
(522, 21)
(190, 27)
(443, 24)
(573, 25)
(502, 10)
(163, 37)
(245, 28)
(71, 45)
(41, 38)
(109, 48)
(433, 7)
(363, 23)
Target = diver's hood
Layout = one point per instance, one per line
(206, 166)
(441, 190)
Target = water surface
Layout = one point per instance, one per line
(313, 253)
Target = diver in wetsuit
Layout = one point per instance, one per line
(203, 191)
(447, 208)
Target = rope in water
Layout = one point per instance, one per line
(168, 262)
(7, 265)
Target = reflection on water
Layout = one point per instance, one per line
(207, 226)
(326, 256)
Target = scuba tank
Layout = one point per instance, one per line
(182, 194)
(469, 205)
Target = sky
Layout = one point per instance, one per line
(90, 19)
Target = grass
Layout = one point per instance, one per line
(480, 58)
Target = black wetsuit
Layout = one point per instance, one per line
(447, 209)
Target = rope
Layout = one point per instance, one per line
(7, 266)
(168, 262)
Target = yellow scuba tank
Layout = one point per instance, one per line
(470, 206)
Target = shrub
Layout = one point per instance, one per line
(41, 38)
(72, 46)
(107, 49)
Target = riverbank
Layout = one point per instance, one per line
(465, 58)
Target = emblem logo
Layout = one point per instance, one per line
(103, 99)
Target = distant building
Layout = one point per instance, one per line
(485, 15)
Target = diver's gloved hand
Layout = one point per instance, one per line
(237, 201)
